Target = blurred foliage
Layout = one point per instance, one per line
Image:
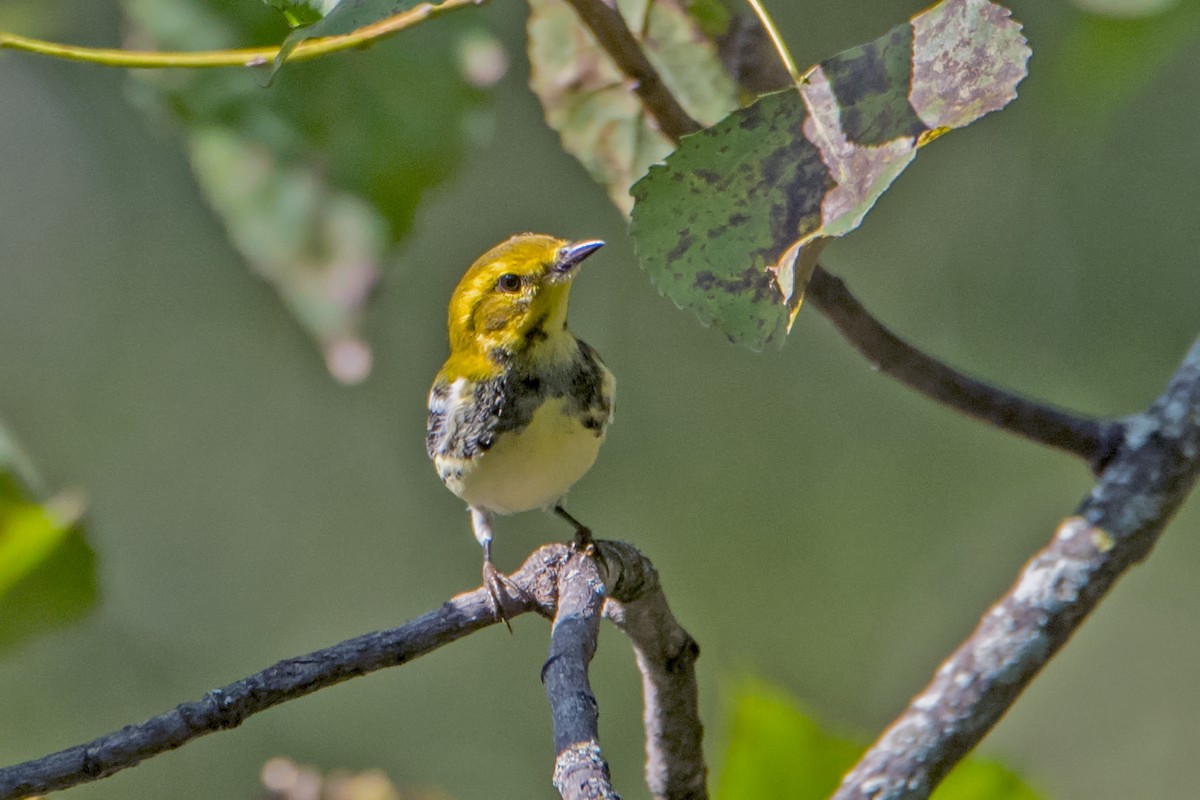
(284, 779)
(777, 750)
(712, 16)
(1114, 52)
(1127, 9)
(591, 103)
(346, 16)
(47, 569)
(311, 203)
(31, 17)
(299, 12)
(732, 223)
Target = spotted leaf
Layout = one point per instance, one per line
(732, 223)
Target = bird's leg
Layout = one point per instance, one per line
(493, 581)
(583, 536)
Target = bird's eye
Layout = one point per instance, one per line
(508, 282)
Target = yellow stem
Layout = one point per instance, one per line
(780, 47)
(250, 57)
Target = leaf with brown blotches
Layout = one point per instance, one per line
(732, 223)
(591, 104)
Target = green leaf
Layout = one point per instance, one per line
(732, 223)
(314, 178)
(590, 104)
(347, 16)
(776, 749)
(47, 570)
(321, 247)
(299, 12)
(711, 15)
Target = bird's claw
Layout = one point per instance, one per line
(499, 588)
(583, 538)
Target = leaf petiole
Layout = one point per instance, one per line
(776, 39)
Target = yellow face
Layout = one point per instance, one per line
(513, 297)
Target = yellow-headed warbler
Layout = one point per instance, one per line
(519, 410)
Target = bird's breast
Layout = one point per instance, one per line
(518, 441)
(528, 468)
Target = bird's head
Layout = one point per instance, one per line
(513, 298)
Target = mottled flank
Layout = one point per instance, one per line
(466, 417)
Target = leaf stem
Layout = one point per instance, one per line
(781, 47)
(248, 57)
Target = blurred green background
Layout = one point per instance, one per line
(815, 524)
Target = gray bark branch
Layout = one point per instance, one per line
(1114, 527)
(666, 656)
(542, 579)
(1093, 440)
(580, 771)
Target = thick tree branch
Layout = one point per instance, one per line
(666, 656)
(231, 705)
(1095, 441)
(580, 772)
(1114, 527)
(540, 579)
(611, 32)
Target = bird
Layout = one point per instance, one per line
(519, 410)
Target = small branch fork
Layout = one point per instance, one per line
(555, 581)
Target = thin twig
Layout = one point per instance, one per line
(1093, 440)
(666, 657)
(781, 48)
(251, 57)
(1114, 527)
(609, 27)
(580, 771)
(229, 706)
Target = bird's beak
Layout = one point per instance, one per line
(572, 255)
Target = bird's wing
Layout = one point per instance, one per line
(462, 417)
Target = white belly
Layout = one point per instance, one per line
(528, 469)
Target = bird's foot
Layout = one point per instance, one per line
(500, 588)
(583, 538)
